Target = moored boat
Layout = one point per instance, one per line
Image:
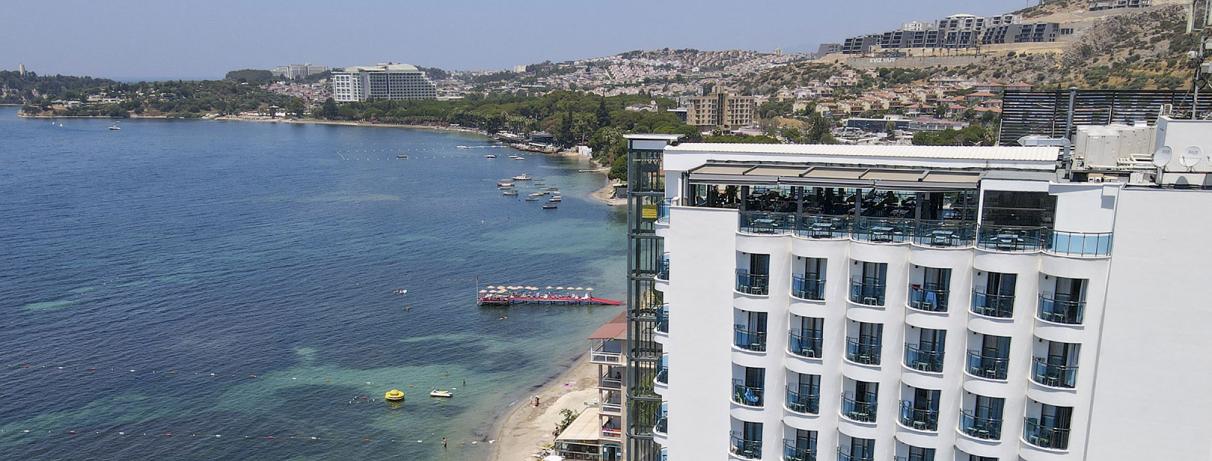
(550, 206)
(440, 393)
(510, 192)
(523, 177)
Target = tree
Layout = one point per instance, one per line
(603, 114)
(792, 134)
(818, 130)
(890, 128)
(329, 110)
(296, 107)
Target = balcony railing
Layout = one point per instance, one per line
(805, 345)
(745, 448)
(981, 428)
(882, 230)
(823, 227)
(608, 381)
(808, 403)
(754, 284)
(662, 320)
(663, 270)
(663, 212)
(662, 376)
(867, 291)
(844, 455)
(808, 288)
(992, 304)
(944, 234)
(1043, 436)
(1080, 244)
(863, 411)
(914, 457)
(609, 407)
(599, 355)
(1061, 309)
(930, 360)
(1010, 238)
(1053, 374)
(987, 366)
(930, 298)
(747, 395)
(609, 433)
(864, 352)
(662, 425)
(750, 340)
(791, 452)
(761, 222)
(923, 419)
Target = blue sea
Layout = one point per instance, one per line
(224, 290)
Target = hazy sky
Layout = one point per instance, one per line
(205, 38)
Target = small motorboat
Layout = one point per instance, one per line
(536, 194)
(394, 395)
(510, 192)
(550, 206)
(115, 127)
(490, 156)
(555, 199)
(400, 291)
(523, 177)
(504, 185)
(517, 157)
(532, 198)
(402, 156)
(552, 189)
(441, 393)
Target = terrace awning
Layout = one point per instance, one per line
(583, 429)
(833, 176)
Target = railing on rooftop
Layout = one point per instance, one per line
(930, 360)
(1061, 309)
(762, 222)
(882, 230)
(804, 402)
(1080, 244)
(805, 345)
(754, 284)
(1053, 374)
(1010, 238)
(930, 297)
(981, 428)
(987, 366)
(944, 234)
(808, 288)
(822, 226)
(992, 304)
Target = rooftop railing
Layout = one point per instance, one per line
(805, 344)
(930, 297)
(1061, 309)
(866, 352)
(754, 284)
(792, 452)
(1010, 238)
(981, 428)
(868, 291)
(917, 358)
(822, 226)
(863, 411)
(1053, 374)
(944, 234)
(808, 288)
(882, 230)
(760, 222)
(1045, 436)
(747, 395)
(806, 401)
(1080, 244)
(745, 448)
(987, 366)
(923, 419)
(749, 339)
(992, 304)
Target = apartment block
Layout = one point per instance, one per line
(720, 111)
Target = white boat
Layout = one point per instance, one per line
(504, 183)
(549, 206)
(510, 193)
(517, 157)
(441, 393)
(490, 156)
(115, 127)
(522, 177)
(555, 199)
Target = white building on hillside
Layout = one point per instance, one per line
(921, 303)
(383, 81)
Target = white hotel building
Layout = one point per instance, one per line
(382, 81)
(914, 303)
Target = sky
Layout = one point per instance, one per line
(170, 39)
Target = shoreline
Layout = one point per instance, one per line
(522, 430)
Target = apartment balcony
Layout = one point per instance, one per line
(747, 339)
(1013, 239)
(807, 403)
(808, 346)
(1079, 244)
(882, 230)
(607, 354)
(987, 366)
(868, 291)
(1044, 436)
(662, 425)
(663, 270)
(662, 320)
(1060, 309)
(944, 234)
(754, 284)
(922, 419)
(863, 411)
(609, 381)
(1053, 374)
(913, 457)
(662, 376)
(863, 352)
(747, 395)
(930, 297)
(844, 455)
(810, 289)
(664, 454)
(612, 434)
(992, 304)
(745, 448)
(980, 428)
(793, 453)
(612, 408)
(928, 360)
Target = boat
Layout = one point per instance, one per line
(402, 156)
(115, 127)
(394, 395)
(490, 156)
(532, 199)
(517, 157)
(536, 194)
(522, 177)
(552, 189)
(440, 393)
(550, 206)
(510, 192)
(555, 199)
(504, 183)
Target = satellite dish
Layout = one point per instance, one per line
(1162, 156)
(1191, 156)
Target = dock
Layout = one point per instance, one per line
(510, 295)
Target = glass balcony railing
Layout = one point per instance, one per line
(1053, 374)
(928, 359)
(745, 448)
(987, 366)
(1080, 244)
(944, 234)
(930, 297)
(981, 428)
(747, 395)
(662, 376)
(868, 291)
(664, 455)
(823, 226)
(846, 455)
(761, 222)
(663, 212)
(805, 345)
(806, 401)
(923, 419)
(750, 340)
(863, 411)
(793, 452)
(992, 304)
(662, 320)
(1061, 309)
(882, 230)
(914, 457)
(754, 284)
(662, 425)
(1010, 238)
(866, 352)
(808, 288)
(663, 270)
(1045, 436)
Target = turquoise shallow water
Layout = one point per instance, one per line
(223, 290)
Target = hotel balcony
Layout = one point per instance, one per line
(1051, 374)
(754, 284)
(663, 212)
(662, 375)
(981, 428)
(1044, 435)
(928, 359)
(811, 289)
(944, 234)
(1014, 239)
(745, 448)
(929, 297)
(662, 319)
(882, 230)
(663, 269)
(1060, 309)
(808, 346)
(1079, 244)
(922, 419)
(866, 352)
(863, 411)
(747, 395)
(925, 233)
(807, 403)
(987, 366)
(610, 380)
(992, 305)
(662, 425)
(608, 352)
(868, 291)
(749, 339)
(845, 455)
(612, 405)
(793, 453)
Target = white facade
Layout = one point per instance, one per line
(384, 81)
(1066, 359)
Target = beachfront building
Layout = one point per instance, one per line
(382, 81)
(720, 111)
(597, 433)
(922, 303)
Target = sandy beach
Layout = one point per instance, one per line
(526, 429)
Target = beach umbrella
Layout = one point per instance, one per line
(548, 287)
(559, 288)
(579, 289)
(483, 291)
(589, 289)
